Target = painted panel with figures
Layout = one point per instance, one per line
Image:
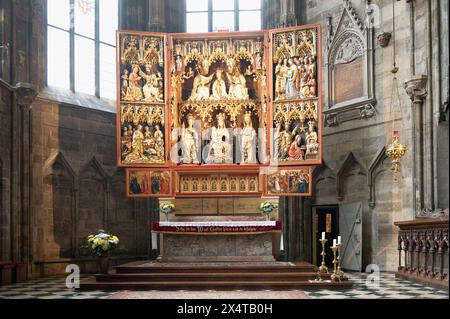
(142, 108)
(289, 182)
(296, 87)
(142, 68)
(149, 183)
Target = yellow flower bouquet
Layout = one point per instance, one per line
(102, 243)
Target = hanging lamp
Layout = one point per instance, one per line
(395, 150)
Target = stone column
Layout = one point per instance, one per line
(132, 15)
(24, 95)
(271, 14)
(156, 16)
(416, 90)
(288, 17)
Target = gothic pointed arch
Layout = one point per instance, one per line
(322, 175)
(92, 201)
(59, 161)
(379, 164)
(351, 166)
(59, 201)
(350, 51)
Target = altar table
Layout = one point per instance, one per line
(217, 228)
(224, 240)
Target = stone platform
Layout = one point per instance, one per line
(216, 275)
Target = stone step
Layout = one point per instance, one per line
(209, 276)
(140, 267)
(92, 284)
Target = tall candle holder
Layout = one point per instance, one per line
(334, 276)
(340, 273)
(323, 269)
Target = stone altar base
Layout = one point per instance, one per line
(211, 248)
(198, 276)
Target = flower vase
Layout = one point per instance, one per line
(103, 264)
(267, 216)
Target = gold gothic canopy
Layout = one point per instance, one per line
(191, 106)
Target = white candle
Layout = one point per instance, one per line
(334, 242)
(323, 235)
(339, 240)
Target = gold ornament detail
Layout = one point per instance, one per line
(395, 151)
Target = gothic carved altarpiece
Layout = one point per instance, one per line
(207, 114)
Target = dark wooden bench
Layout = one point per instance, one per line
(6, 272)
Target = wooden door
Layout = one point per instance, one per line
(350, 226)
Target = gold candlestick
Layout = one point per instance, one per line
(340, 273)
(334, 276)
(323, 269)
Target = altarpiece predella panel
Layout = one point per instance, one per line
(218, 183)
(288, 182)
(206, 114)
(149, 183)
(296, 96)
(142, 96)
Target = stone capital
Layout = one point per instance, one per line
(24, 93)
(416, 88)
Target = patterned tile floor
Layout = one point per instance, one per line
(389, 288)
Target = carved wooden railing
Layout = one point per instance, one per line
(423, 251)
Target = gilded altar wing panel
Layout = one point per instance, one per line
(142, 76)
(141, 108)
(288, 182)
(296, 108)
(142, 134)
(219, 99)
(149, 183)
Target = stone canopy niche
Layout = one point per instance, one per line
(219, 114)
(350, 94)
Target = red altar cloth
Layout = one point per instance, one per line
(216, 228)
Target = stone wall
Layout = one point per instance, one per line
(77, 188)
(5, 170)
(67, 184)
(356, 168)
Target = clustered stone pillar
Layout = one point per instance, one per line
(288, 17)
(156, 16)
(24, 96)
(416, 90)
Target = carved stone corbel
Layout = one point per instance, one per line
(24, 94)
(384, 38)
(416, 88)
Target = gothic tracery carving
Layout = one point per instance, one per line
(350, 51)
